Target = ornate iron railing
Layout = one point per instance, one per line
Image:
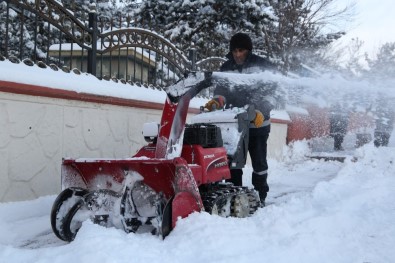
(91, 44)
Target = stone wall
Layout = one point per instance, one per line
(38, 132)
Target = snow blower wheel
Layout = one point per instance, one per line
(61, 207)
(70, 226)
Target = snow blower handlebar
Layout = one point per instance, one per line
(175, 111)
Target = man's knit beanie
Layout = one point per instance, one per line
(240, 40)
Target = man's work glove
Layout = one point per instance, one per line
(218, 102)
(259, 119)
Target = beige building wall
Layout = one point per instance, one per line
(38, 132)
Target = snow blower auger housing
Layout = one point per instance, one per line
(167, 179)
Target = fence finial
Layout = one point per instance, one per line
(92, 7)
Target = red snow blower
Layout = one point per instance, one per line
(181, 170)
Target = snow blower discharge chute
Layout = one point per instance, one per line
(181, 170)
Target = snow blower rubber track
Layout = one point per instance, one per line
(228, 200)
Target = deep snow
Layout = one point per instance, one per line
(318, 212)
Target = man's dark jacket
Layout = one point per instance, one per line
(259, 94)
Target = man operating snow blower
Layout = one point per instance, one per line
(242, 60)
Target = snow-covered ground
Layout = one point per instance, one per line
(318, 212)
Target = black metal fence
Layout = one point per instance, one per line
(46, 33)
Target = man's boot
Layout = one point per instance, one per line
(260, 184)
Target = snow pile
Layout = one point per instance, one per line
(319, 212)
